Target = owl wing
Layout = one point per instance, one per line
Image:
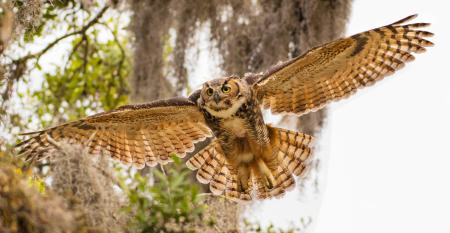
(337, 69)
(144, 134)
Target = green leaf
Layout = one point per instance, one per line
(175, 159)
(160, 175)
(47, 15)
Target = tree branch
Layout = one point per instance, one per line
(122, 51)
(86, 52)
(74, 49)
(81, 31)
(17, 67)
(122, 56)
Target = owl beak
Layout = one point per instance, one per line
(216, 98)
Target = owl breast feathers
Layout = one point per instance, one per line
(246, 158)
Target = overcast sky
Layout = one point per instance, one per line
(389, 167)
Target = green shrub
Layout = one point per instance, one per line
(171, 204)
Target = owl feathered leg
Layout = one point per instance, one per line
(214, 168)
(271, 172)
(267, 179)
(286, 156)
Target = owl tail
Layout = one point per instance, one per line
(291, 153)
(214, 169)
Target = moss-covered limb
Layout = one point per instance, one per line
(221, 215)
(81, 197)
(23, 208)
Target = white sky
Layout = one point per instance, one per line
(389, 145)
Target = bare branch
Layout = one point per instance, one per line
(86, 52)
(122, 51)
(18, 66)
(74, 49)
(55, 42)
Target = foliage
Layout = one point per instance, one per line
(80, 198)
(93, 80)
(89, 76)
(294, 228)
(34, 182)
(169, 205)
(90, 51)
(23, 206)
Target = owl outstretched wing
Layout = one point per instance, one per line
(336, 70)
(139, 135)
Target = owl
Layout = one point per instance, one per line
(246, 159)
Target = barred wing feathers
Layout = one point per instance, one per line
(336, 70)
(139, 135)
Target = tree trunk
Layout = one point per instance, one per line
(148, 81)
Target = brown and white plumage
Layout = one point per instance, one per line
(246, 158)
(337, 69)
(138, 135)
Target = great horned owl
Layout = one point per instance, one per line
(246, 158)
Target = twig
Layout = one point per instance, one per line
(121, 61)
(122, 51)
(86, 51)
(75, 48)
(81, 31)
(162, 169)
(18, 66)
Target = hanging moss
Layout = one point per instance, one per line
(23, 208)
(88, 183)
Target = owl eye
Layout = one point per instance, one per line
(209, 91)
(226, 89)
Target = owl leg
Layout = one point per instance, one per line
(265, 161)
(266, 173)
(243, 177)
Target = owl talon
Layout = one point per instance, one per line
(239, 186)
(243, 184)
(270, 181)
(266, 174)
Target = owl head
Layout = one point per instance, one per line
(222, 97)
